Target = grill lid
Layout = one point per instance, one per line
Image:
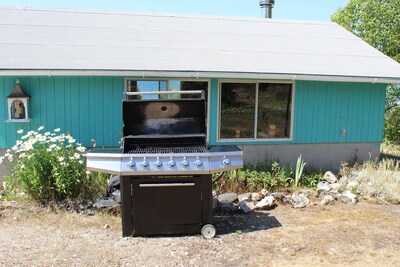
(164, 117)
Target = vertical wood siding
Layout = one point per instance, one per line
(323, 109)
(87, 107)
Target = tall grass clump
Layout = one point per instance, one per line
(298, 171)
(377, 181)
(49, 166)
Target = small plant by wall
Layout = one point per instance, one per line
(273, 177)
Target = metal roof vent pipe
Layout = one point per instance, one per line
(267, 5)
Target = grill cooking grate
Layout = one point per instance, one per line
(157, 150)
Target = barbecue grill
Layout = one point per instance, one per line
(165, 165)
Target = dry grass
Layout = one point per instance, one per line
(340, 235)
(378, 180)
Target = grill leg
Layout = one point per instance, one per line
(206, 191)
(126, 206)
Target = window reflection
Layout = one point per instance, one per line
(237, 110)
(274, 103)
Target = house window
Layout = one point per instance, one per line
(166, 85)
(237, 110)
(255, 110)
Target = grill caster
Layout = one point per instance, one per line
(208, 231)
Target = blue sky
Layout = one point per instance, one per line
(284, 9)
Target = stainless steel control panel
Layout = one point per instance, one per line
(164, 164)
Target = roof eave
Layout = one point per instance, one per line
(202, 74)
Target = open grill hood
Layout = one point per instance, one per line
(165, 137)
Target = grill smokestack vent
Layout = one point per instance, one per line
(267, 5)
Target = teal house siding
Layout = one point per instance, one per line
(90, 108)
(322, 110)
(87, 107)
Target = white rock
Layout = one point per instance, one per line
(266, 202)
(264, 192)
(245, 196)
(299, 201)
(246, 206)
(348, 197)
(352, 184)
(323, 187)
(227, 197)
(105, 202)
(330, 177)
(335, 188)
(256, 197)
(305, 192)
(327, 200)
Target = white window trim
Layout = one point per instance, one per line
(182, 80)
(18, 120)
(255, 139)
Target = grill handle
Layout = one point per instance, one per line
(190, 92)
(166, 185)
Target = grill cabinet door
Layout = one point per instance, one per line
(166, 205)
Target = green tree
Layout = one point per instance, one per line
(378, 23)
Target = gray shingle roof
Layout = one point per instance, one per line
(71, 40)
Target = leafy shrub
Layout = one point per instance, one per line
(271, 176)
(392, 126)
(312, 179)
(50, 166)
(254, 178)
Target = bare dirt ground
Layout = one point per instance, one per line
(340, 235)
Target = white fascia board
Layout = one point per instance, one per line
(201, 74)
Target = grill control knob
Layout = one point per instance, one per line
(198, 162)
(185, 162)
(158, 163)
(226, 161)
(144, 163)
(131, 163)
(171, 163)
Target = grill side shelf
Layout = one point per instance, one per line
(157, 164)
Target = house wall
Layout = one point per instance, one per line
(323, 109)
(87, 107)
(90, 108)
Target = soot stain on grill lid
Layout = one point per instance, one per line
(159, 110)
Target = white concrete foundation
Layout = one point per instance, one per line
(320, 156)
